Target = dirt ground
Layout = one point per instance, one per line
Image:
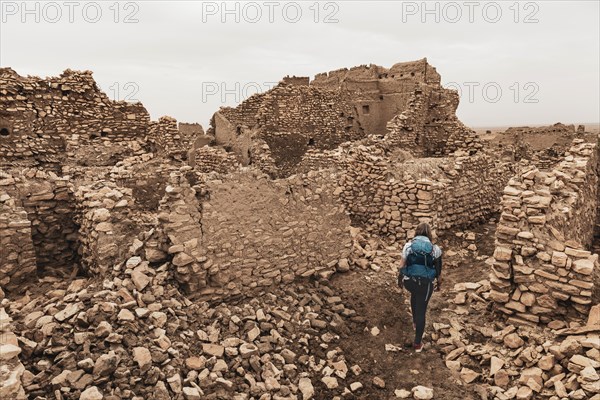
(377, 299)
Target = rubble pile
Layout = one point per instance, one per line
(11, 368)
(519, 362)
(135, 336)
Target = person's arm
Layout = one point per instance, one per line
(402, 263)
(438, 269)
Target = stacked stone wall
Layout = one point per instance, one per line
(429, 126)
(180, 233)
(45, 121)
(169, 139)
(543, 268)
(295, 119)
(103, 217)
(390, 197)
(48, 201)
(17, 256)
(291, 120)
(228, 235)
(471, 190)
(259, 232)
(209, 159)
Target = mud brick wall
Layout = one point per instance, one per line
(11, 368)
(17, 256)
(542, 267)
(258, 232)
(48, 201)
(43, 121)
(429, 126)
(379, 93)
(209, 159)
(103, 218)
(191, 129)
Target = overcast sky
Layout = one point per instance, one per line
(515, 63)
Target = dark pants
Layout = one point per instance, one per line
(420, 292)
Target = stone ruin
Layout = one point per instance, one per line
(545, 146)
(542, 264)
(193, 265)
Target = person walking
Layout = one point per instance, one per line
(420, 266)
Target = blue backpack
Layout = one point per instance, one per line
(419, 262)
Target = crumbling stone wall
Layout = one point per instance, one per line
(544, 146)
(290, 119)
(231, 127)
(429, 126)
(390, 196)
(190, 129)
(558, 128)
(169, 139)
(209, 159)
(226, 236)
(471, 191)
(48, 201)
(296, 119)
(17, 256)
(180, 232)
(45, 121)
(258, 232)
(314, 160)
(406, 104)
(260, 157)
(103, 220)
(147, 177)
(542, 267)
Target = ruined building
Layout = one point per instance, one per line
(279, 129)
(147, 259)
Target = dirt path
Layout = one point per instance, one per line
(380, 303)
